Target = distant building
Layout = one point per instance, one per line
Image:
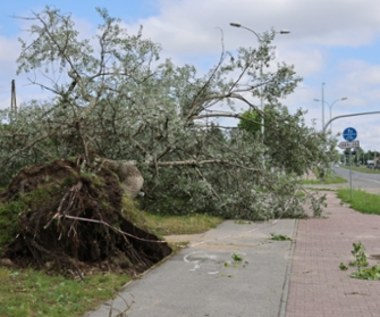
(375, 163)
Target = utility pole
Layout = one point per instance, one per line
(13, 101)
(323, 104)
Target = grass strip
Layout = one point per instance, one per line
(360, 200)
(31, 293)
(362, 169)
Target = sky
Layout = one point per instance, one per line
(334, 46)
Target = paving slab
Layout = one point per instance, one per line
(317, 287)
(234, 270)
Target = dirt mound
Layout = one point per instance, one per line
(70, 220)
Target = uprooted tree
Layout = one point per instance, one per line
(62, 219)
(111, 96)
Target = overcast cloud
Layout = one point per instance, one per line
(335, 41)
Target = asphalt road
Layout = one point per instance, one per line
(365, 181)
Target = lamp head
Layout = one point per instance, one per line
(236, 25)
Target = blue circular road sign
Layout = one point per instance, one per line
(350, 134)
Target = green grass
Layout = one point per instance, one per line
(361, 200)
(328, 180)
(30, 293)
(36, 294)
(363, 169)
(168, 224)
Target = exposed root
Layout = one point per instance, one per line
(72, 222)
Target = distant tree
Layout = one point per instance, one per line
(290, 144)
(251, 121)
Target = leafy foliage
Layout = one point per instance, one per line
(280, 237)
(358, 252)
(290, 144)
(112, 96)
(371, 273)
(361, 263)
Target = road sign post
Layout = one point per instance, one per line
(350, 134)
(349, 145)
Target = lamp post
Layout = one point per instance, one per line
(323, 103)
(330, 105)
(260, 39)
(238, 25)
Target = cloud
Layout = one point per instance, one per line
(325, 45)
(190, 24)
(190, 28)
(8, 47)
(359, 73)
(306, 61)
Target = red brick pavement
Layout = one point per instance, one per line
(317, 287)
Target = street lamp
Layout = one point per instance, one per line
(238, 25)
(330, 105)
(260, 39)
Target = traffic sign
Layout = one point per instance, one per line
(350, 134)
(349, 145)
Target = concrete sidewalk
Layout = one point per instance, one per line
(274, 279)
(318, 288)
(205, 280)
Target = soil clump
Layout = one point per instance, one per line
(68, 218)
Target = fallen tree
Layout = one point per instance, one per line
(69, 218)
(111, 96)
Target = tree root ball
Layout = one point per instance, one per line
(68, 219)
